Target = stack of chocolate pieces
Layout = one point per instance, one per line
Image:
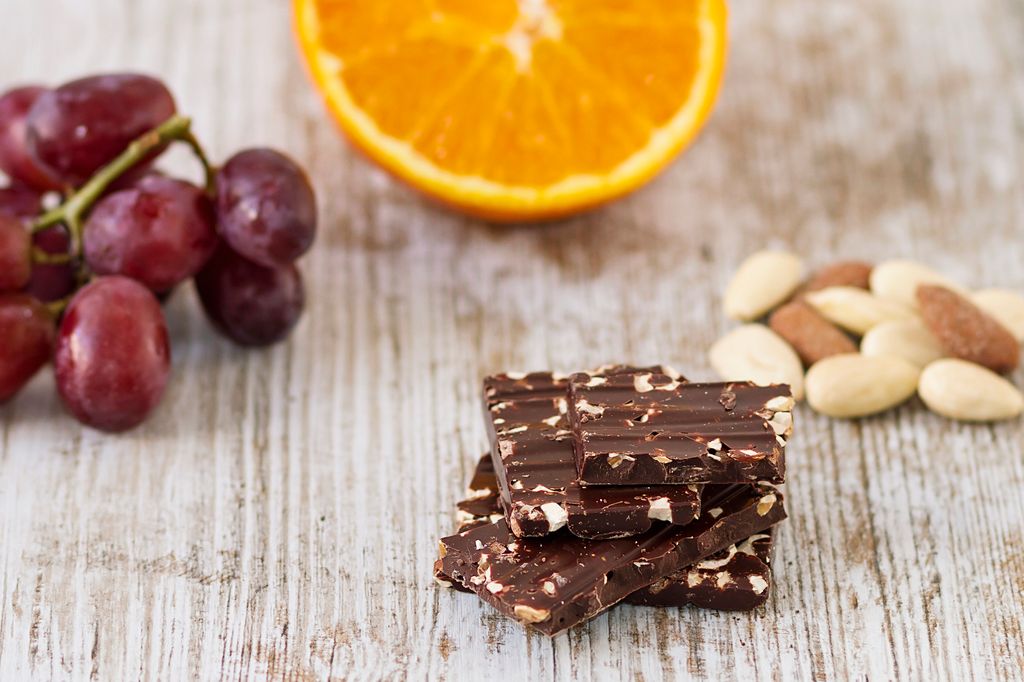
(622, 484)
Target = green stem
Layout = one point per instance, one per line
(209, 172)
(56, 308)
(40, 257)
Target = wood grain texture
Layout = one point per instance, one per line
(279, 515)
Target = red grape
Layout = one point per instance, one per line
(20, 202)
(51, 282)
(15, 159)
(113, 356)
(265, 207)
(131, 178)
(82, 125)
(249, 303)
(160, 233)
(15, 253)
(27, 332)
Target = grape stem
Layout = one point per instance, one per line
(72, 212)
(209, 172)
(56, 308)
(40, 257)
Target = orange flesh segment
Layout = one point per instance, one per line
(521, 93)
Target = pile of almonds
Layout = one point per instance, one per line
(917, 331)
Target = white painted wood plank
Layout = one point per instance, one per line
(248, 531)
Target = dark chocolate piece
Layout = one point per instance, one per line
(735, 579)
(481, 507)
(558, 581)
(533, 455)
(648, 428)
(482, 504)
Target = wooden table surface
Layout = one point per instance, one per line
(279, 515)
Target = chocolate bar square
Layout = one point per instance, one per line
(558, 581)
(735, 579)
(532, 448)
(645, 427)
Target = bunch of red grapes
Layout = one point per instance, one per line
(81, 283)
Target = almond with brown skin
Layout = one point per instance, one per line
(965, 331)
(811, 335)
(844, 274)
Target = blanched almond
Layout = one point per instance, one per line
(857, 310)
(963, 390)
(907, 339)
(1005, 306)
(898, 280)
(856, 385)
(762, 282)
(755, 353)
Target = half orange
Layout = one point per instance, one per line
(517, 110)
